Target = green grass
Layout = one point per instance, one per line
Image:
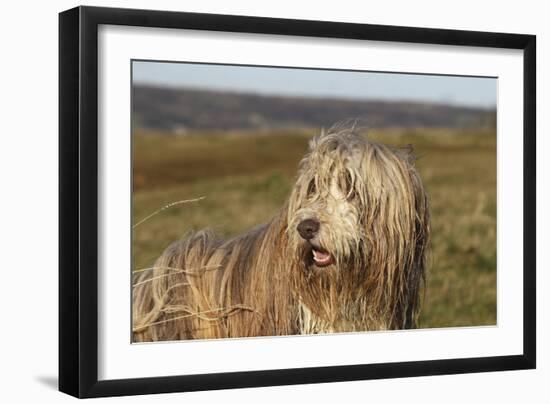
(246, 178)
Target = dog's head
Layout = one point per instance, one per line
(359, 212)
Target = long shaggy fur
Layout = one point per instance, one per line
(373, 220)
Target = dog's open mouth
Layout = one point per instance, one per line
(321, 258)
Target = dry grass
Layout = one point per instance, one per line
(246, 178)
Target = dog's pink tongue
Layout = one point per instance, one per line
(320, 256)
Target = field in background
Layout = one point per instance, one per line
(246, 177)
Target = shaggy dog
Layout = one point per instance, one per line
(346, 252)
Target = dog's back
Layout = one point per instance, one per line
(202, 287)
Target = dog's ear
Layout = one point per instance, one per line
(396, 228)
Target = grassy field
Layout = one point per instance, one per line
(245, 179)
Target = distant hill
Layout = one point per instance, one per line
(181, 109)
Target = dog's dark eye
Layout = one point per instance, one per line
(311, 188)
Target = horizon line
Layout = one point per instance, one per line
(164, 86)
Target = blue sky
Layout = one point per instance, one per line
(456, 90)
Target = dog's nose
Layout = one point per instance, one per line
(308, 228)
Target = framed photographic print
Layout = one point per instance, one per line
(251, 201)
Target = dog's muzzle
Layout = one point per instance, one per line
(308, 230)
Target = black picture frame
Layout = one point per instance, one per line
(78, 201)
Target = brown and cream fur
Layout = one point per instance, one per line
(371, 219)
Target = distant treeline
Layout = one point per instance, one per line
(179, 110)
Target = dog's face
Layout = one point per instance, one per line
(355, 203)
(327, 205)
